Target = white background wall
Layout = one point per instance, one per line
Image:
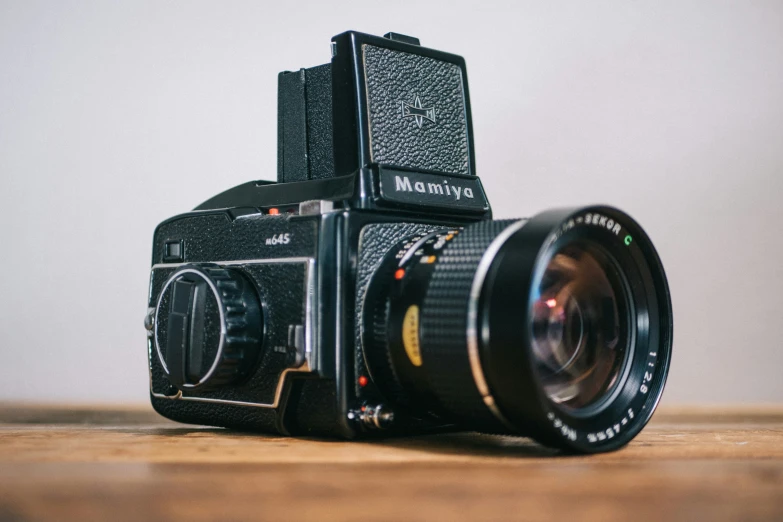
(117, 115)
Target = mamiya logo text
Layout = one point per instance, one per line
(403, 184)
(423, 188)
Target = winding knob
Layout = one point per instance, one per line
(208, 327)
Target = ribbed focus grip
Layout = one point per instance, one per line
(444, 325)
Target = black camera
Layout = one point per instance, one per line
(369, 292)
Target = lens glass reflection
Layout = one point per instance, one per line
(580, 325)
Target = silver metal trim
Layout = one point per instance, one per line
(376, 416)
(149, 321)
(472, 331)
(310, 312)
(315, 207)
(267, 261)
(273, 405)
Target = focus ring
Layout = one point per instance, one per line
(444, 324)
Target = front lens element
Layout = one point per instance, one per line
(578, 325)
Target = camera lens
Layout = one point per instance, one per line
(579, 323)
(556, 327)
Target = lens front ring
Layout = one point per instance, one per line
(507, 348)
(473, 319)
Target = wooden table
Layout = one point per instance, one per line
(129, 464)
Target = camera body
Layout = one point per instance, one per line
(271, 278)
(369, 290)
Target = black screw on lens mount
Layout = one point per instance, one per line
(459, 336)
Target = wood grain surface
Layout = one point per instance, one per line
(60, 463)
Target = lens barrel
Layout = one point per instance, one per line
(558, 327)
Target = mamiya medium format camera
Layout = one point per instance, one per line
(369, 292)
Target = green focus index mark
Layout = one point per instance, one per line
(628, 240)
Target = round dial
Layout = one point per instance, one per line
(208, 327)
